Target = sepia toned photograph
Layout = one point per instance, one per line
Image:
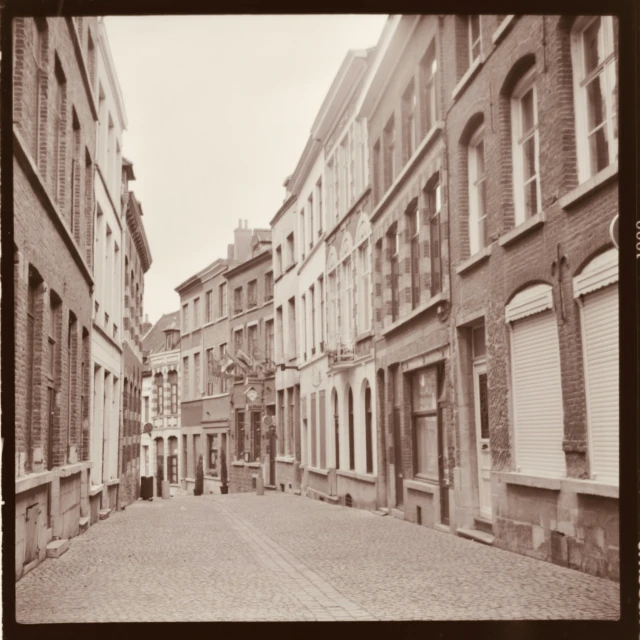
(316, 318)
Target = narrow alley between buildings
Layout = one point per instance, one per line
(281, 557)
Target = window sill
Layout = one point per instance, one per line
(308, 256)
(423, 485)
(364, 335)
(467, 77)
(237, 463)
(502, 29)
(434, 301)
(601, 178)
(522, 229)
(285, 459)
(291, 266)
(253, 465)
(371, 479)
(215, 396)
(526, 480)
(474, 260)
(317, 471)
(95, 489)
(591, 487)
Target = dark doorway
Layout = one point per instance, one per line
(442, 473)
(396, 391)
(272, 456)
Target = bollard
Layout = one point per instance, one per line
(166, 489)
(259, 485)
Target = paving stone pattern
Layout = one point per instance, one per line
(283, 557)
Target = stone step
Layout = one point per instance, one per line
(104, 513)
(84, 524)
(383, 511)
(475, 534)
(483, 524)
(397, 513)
(57, 547)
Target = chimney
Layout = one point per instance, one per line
(242, 242)
(230, 256)
(146, 318)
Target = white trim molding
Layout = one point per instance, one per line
(532, 300)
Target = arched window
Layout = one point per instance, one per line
(477, 192)
(172, 461)
(173, 386)
(525, 148)
(363, 316)
(596, 290)
(595, 94)
(537, 390)
(368, 427)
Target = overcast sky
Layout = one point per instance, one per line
(219, 110)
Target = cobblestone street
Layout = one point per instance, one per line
(283, 557)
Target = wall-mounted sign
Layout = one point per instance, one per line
(251, 394)
(613, 231)
(316, 376)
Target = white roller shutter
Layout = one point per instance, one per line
(537, 393)
(601, 355)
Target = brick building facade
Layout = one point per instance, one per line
(495, 280)
(55, 114)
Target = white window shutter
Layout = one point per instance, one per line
(537, 394)
(601, 360)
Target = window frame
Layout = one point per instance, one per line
(223, 303)
(434, 200)
(478, 41)
(425, 413)
(364, 291)
(475, 220)
(518, 140)
(607, 67)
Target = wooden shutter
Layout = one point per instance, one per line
(537, 394)
(601, 358)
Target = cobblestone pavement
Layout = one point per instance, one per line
(283, 557)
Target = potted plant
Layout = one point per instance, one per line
(199, 486)
(224, 478)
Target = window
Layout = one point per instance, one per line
(414, 231)
(185, 318)
(252, 339)
(377, 178)
(310, 210)
(160, 394)
(223, 380)
(268, 286)
(212, 457)
(268, 340)
(409, 125)
(252, 294)
(336, 428)
(211, 371)
(322, 316)
(424, 414)
(364, 304)
(280, 326)
(524, 128)
(347, 279)
(368, 429)
(330, 171)
(75, 177)
(304, 325)
(291, 249)
(146, 409)
(279, 260)
(597, 294)
(196, 374)
(290, 445)
(475, 38)
(237, 300)
(393, 241)
(172, 460)
(312, 302)
(185, 378)
(360, 129)
(255, 435)
(313, 431)
(237, 340)
(293, 327)
(389, 154)
(343, 192)
(54, 313)
(173, 385)
(477, 194)
(433, 203)
(302, 235)
(429, 99)
(319, 201)
(537, 387)
(352, 446)
(59, 132)
(595, 94)
(222, 299)
(209, 310)
(168, 343)
(239, 434)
